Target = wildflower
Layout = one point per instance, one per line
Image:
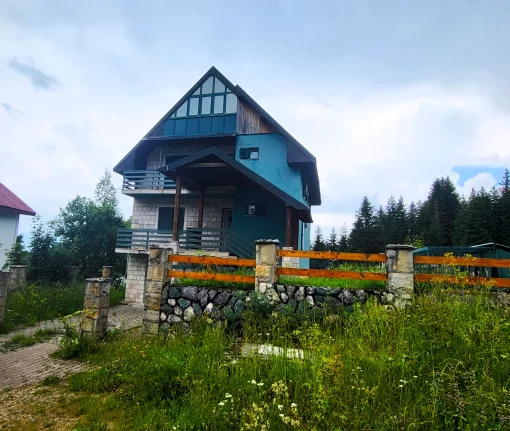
(260, 384)
(227, 395)
(253, 382)
(400, 386)
(280, 407)
(415, 377)
(293, 405)
(221, 403)
(281, 415)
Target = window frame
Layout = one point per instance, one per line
(184, 226)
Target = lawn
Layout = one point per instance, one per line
(443, 363)
(34, 303)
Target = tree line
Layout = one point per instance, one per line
(83, 234)
(443, 219)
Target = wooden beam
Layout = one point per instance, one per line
(177, 206)
(206, 260)
(333, 255)
(201, 196)
(326, 273)
(288, 227)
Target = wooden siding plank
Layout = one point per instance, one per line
(332, 255)
(498, 282)
(326, 273)
(249, 121)
(206, 260)
(211, 276)
(464, 261)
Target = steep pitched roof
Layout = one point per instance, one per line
(9, 200)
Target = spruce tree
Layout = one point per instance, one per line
(504, 210)
(365, 234)
(344, 235)
(318, 243)
(332, 244)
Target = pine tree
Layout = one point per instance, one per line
(318, 243)
(332, 244)
(412, 220)
(504, 210)
(460, 223)
(17, 255)
(344, 235)
(365, 234)
(505, 182)
(477, 228)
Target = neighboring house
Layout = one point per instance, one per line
(216, 173)
(10, 209)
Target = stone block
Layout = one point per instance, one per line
(151, 316)
(156, 273)
(152, 301)
(150, 328)
(155, 287)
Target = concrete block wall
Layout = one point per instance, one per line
(136, 276)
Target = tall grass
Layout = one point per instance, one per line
(443, 363)
(32, 303)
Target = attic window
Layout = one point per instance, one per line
(255, 209)
(249, 153)
(211, 98)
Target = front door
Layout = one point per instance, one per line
(226, 224)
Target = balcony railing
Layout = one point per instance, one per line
(146, 180)
(191, 239)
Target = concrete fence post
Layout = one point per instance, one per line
(94, 320)
(266, 261)
(400, 269)
(107, 272)
(18, 276)
(157, 277)
(4, 282)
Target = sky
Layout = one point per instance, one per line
(388, 95)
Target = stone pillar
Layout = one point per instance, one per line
(94, 319)
(157, 277)
(107, 272)
(72, 272)
(400, 269)
(4, 281)
(18, 276)
(266, 258)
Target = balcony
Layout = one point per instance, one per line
(211, 239)
(146, 182)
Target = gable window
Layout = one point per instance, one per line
(211, 98)
(255, 209)
(166, 218)
(249, 153)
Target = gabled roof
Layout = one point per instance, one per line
(297, 153)
(203, 167)
(9, 200)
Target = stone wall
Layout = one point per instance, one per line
(135, 279)
(183, 304)
(145, 211)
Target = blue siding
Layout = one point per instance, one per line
(271, 225)
(201, 125)
(272, 163)
(304, 243)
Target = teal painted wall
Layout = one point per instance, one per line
(272, 163)
(271, 225)
(304, 242)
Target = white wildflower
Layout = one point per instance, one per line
(280, 407)
(260, 384)
(221, 403)
(227, 395)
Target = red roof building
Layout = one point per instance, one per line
(10, 201)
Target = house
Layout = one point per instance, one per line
(215, 173)
(11, 207)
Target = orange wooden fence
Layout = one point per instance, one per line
(331, 255)
(204, 260)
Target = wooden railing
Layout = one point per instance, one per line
(468, 262)
(204, 260)
(326, 273)
(146, 180)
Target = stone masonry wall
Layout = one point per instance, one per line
(145, 211)
(135, 279)
(182, 304)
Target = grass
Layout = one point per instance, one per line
(22, 340)
(35, 303)
(443, 363)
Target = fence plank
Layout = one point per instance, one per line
(464, 261)
(211, 276)
(207, 260)
(326, 273)
(332, 255)
(498, 282)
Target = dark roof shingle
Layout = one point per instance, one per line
(9, 200)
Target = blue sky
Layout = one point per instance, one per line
(387, 94)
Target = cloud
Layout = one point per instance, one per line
(10, 109)
(39, 79)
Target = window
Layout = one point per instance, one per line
(212, 97)
(166, 218)
(255, 209)
(249, 153)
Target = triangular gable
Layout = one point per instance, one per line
(209, 107)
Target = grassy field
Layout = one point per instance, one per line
(443, 363)
(34, 303)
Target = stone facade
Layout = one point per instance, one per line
(94, 320)
(18, 276)
(183, 304)
(145, 211)
(136, 276)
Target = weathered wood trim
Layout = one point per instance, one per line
(177, 206)
(464, 261)
(210, 276)
(250, 122)
(332, 255)
(326, 273)
(206, 260)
